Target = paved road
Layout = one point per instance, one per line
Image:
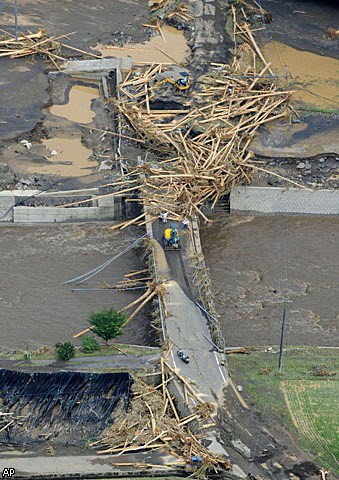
(29, 465)
(187, 328)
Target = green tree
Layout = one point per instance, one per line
(64, 351)
(107, 323)
(89, 345)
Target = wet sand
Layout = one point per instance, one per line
(35, 308)
(255, 263)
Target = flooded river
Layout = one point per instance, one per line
(255, 263)
(35, 307)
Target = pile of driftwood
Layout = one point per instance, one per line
(209, 140)
(204, 144)
(31, 44)
(36, 44)
(331, 33)
(171, 9)
(154, 422)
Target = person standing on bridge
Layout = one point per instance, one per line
(185, 223)
(163, 217)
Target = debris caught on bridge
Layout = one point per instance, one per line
(210, 140)
(204, 144)
(154, 422)
(131, 281)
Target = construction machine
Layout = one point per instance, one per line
(170, 239)
(180, 82)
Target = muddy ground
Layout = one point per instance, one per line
(25, 80)
(296, 44)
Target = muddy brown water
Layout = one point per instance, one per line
(170, 46)
(78, 108)
(256, 262)
(66, 157)
(36, 308)
(314, 78)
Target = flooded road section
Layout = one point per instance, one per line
(256, 262)
(35, 308)
(170, 47)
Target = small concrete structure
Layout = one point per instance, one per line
(34, 206)
(95, 68)
(291, 201)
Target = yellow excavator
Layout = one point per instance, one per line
(180, 83)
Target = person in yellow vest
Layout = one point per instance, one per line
(171, 236)
(168, 234)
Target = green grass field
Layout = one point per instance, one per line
(306, 394)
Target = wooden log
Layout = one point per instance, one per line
(138, 300)
(133, 274)
(77, 335)
(250, 165)
(172, 406)
(137, 310)
(185, 382)
(134, 220)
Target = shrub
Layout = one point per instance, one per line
(107, 323)
(89, 345)
(65, 351)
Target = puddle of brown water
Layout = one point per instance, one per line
(70, 151)
(171, 50)
(78, 108)
(315, 78)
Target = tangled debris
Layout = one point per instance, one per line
(36, 44)
(153, 422)
(171, 9)
(35, 407)
(203, 144)
(210, 140)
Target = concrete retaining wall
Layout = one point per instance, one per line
(18, 206)
(55, 214)
(7, 202)
(291, 201)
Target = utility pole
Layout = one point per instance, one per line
(282, 337)
(16, 18)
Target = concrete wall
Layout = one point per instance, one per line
(13, 208)
(55, 214)
(291, 201)
(7, 202)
